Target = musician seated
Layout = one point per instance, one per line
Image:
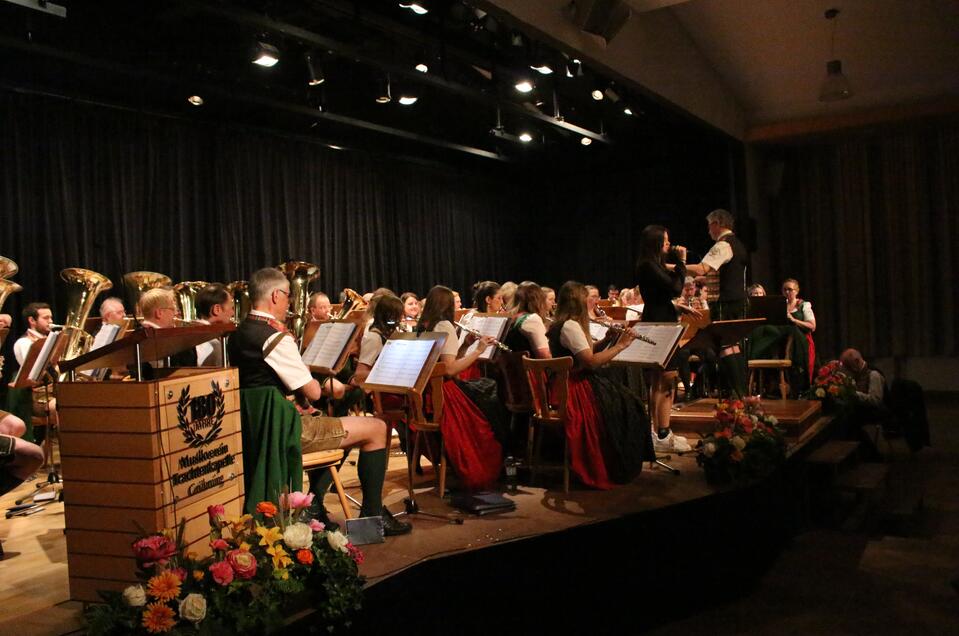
(612, 295)
(387, 314)
(411, 308)
(270, 366)
(5, 321)
(528, 329)
(214, 306)
(158, 306)
(39, 320)
(487, 298)
(755, 290)
(19, 459)
(592, 304)
(507, 292)
(550, 301)
(457, 301)
(690, 296)
(112, 311)
(319, 306)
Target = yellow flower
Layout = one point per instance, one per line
(269, 536)
(280, 558)
(198, 575)
(158, 618)
(169, 533)
(238, 524)
(281, 574)
(165, 586)
(244, 547)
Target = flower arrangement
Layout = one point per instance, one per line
(747, 443)
(832, 384)
(261, 567)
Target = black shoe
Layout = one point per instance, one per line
(392, 527)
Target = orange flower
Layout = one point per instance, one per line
(305, 557)
(737, 455)
(266, 508)
(834, 390)
(198, 575)
(165, 586)
(158, 618)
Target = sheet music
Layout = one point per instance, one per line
(328, 344)
(466, 320)
(400, 363)
(665, 337)
(597, 331)
(106, 335)
(488, 326)
(41, 362)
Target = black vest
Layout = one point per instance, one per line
(732, 275)
(246, 352)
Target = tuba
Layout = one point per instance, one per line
(83, 287)
(7, 268)
(186, 298)
(353, 301)
(240, 290)
(138, 282)
(300, 275)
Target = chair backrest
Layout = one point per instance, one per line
(512, 383)
(548, 383)
(616, 313)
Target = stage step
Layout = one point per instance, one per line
(833, 453)
(864, 478)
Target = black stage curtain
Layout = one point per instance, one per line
(117, 191)
(869, 224)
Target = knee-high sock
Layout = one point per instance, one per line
(320, 482)
(735, 372)
(371, 469)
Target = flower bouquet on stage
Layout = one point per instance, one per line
(833, 386)
(264, 567)
(746, 444)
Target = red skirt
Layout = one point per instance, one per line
(475, 454)
(811, 366)
(584, 432)
(472, 372)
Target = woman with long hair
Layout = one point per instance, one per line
(607, 433)
(659, 286)
(528, 329)
(470, 409)
(387, 314)
(487, 297)
(411, 308)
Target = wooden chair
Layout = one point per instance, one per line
(512, 385)
(329, 460)
(549, 409)
(617, 313)
(757, 367)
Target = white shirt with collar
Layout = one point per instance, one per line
(204, 349)
(22, 346)
(720, 253)
(284, 357)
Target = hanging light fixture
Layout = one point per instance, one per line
(314, 71)
(835, 86)
(383, 95)
(265, 54)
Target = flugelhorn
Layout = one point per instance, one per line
(496, 343)
(353, 301)
(83, 287)
(185, 293)
(300, 274)
(138, 282)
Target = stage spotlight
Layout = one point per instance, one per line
(627, 111)
(415, 7)
(524, 86)
(383, 95)
(597, 94)
(407, 100)
(586, 141)
(315, 71)
(265, 54)
(574, 68)
(422, 68)
(196, 100)
(525, 137)
(542, 68)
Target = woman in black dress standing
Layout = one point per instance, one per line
(660, 286)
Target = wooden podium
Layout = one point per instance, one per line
(145, 454)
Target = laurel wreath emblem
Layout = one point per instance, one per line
(190, 436)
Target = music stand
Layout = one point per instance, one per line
(772, 308)
(488, 324)
(715, 333)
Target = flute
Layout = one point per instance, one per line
(499, 345)
(620, 329)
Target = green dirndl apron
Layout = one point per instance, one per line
(272, 458)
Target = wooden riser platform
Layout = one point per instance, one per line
(795, 416)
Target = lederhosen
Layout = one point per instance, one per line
(319, 432)
(732, 284)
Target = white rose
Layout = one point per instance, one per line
(771, 420)
(754, 419)
(193, 608)
(709, 449)
(337, 540)
(298, 536)
(738, 442)
(135, 596)
(820, 393)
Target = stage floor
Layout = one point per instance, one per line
(34, 597)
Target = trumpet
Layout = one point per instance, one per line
(616, 328)
(496, 343)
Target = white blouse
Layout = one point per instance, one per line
(572, 337)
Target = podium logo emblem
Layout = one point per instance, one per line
(200, 418)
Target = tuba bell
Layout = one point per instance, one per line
(7, 269)
(185, 293)
(138, 282)
(83, 287)
(300, 274)
(352, 301)
(240, 290)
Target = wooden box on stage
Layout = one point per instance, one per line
(145, 455)
(794, 416)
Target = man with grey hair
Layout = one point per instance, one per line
(112, 311)
(274, 435)
(727, 257)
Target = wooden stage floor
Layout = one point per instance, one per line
(34, 598)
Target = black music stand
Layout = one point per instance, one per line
(772, 308)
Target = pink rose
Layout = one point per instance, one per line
(180, 573)
(219, 544)
(316, 526)
(216, 512)
(296, 500)
(242, 562)
(222, 572)
(154, 550)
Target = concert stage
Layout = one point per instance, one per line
(640, 555)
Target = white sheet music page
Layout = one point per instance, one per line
(597, 331)
(488, 326)
(106, 335)
(400, 363)
(41, 361)
(665, 337)
(328, 344)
